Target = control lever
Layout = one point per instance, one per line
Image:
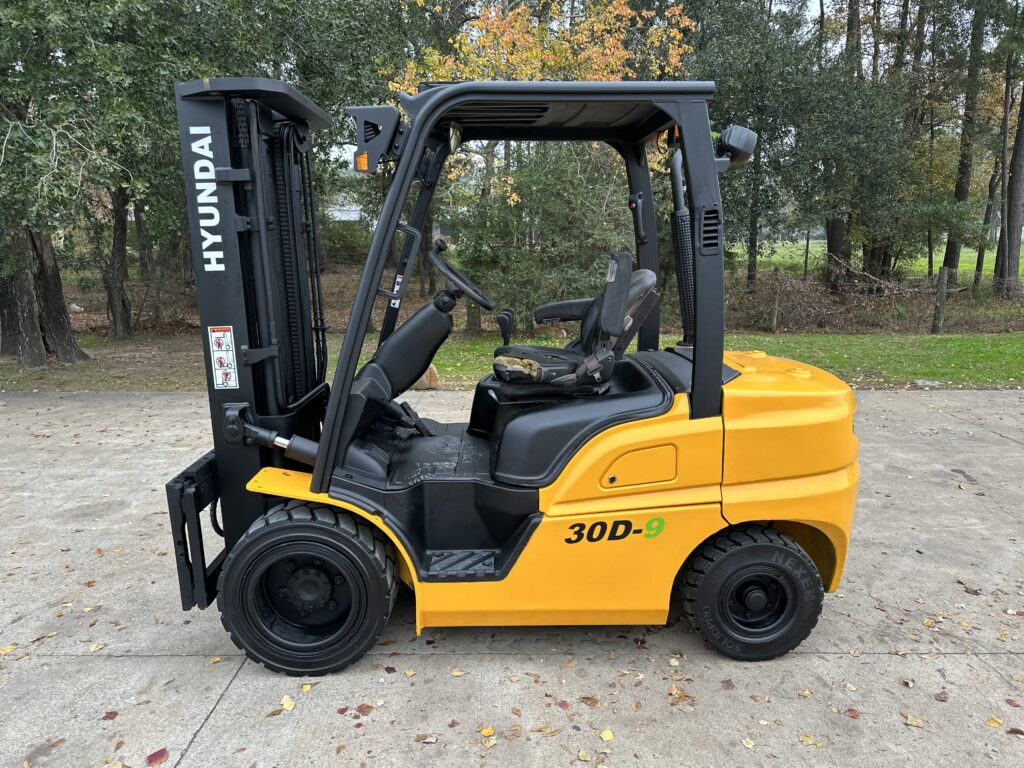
(422, 428)
(636, 205)
(506, 321)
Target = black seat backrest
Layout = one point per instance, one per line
(615, 311)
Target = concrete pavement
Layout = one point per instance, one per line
(927, 629)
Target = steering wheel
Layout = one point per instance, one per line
(456, 278)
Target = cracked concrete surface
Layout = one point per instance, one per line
(89, 600)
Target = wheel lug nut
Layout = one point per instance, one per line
(331, 605)
(338, 579)
(282, 592)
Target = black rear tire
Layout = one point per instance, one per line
(752, 593)
(307, 590)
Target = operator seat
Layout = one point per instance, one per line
(608, 324)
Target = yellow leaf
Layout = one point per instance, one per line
(8, 649)
(583, 756)
(851, 687)
(806, 739)
(456, 672)
(488, 731)
(490, 741)
(747, 743)
(307, 687)
(410, 672)
(929, 622)
(993, 722)
(95, 647)
(915, 722)
(287, 703)
(805, 693)
(607, 735)
(215, 660)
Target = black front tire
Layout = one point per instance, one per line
(752, 593)
(307, 590)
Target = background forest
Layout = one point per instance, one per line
(890, 152)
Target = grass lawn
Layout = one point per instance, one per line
(789, 258)
(866, 361)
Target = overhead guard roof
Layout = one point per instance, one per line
(555, 110)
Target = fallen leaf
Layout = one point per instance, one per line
(96, 647)
(517, 711)
(851, 687)
(851, 712)
(928, 622)
(804, 693)
(514, 732)
(806, 739)
(1013, 703)
(673, 662)
(490, 741)
(583, 756)
(635, 706)
(728, 685)
(410, 672)
(8, 649)
(590, 701)
(908, 682)
(274, 712)
(287, 703)
(570, 663)
(747, 743)
(915, 722)
(57, 742)
(307, 687)
(855, 652)
(456, 672)
(390, 670)
(92, 583)
(564, 705)
(120, 743)
(342, 710)
(513, 678)
(1016, 731)
(942, 696)
(487, 731)
(364, 709)
(215, 660)
(453, 723)
(426, 738)
(755, 697)
(607, 735)
(109, 715)
(158, 758)
(993, 722)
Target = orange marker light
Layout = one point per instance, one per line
(363, 163)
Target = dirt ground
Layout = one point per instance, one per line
(918, 660)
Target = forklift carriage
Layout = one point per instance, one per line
(589, 484)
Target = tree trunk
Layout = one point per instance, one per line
(22, 336)
(899, 58)
(853, 49)
(1007, 278)
(962, 187)
(835, 245)
(54, 323)
(144, 244)
(876, 37)
(754, 220)
(807, 252)
(993, 183)
(115, 276)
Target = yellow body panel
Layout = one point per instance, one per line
(783, 452)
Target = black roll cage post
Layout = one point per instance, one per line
(434, 156)
(685, 104)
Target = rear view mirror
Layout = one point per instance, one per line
(738, 143)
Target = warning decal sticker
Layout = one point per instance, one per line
(222, 357)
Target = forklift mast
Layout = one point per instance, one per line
(252, 218)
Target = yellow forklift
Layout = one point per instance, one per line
(591, 483)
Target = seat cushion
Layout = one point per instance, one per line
(527, 364)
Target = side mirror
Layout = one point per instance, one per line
(738, 143)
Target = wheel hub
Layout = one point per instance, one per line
(755, 599)
(308, 589)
